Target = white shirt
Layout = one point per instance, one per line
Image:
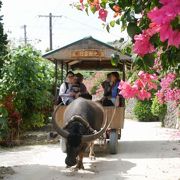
(64, 93)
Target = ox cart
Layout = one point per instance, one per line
(115, 117)
(93, 55)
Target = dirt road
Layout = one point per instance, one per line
(146, 152)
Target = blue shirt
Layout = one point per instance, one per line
(114, 91)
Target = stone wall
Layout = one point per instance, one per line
(172, 118)
(129, 114)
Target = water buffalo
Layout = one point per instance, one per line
(83, 121)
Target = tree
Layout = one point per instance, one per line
(3, 42)
(155, 41)
(26, 92)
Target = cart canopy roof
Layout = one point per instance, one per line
(88, 54)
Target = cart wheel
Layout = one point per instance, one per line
(113, 141)
(63, 145)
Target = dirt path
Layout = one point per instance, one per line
(146, 151)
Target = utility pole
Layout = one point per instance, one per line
(50, 16)
(25, 34)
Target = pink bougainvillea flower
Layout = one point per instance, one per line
(153, 29)
(167, 80)
(157, 64)
(146, 76)
(139, 83)
(142, 44)
(152, 85)
(141, 87)
(126, 90)
(163, 17)
(177, 94)
(160, 96)
(164, 2)
(167, 93)
(172, 95)
(173, 36)
(143, 94)
(103, 14)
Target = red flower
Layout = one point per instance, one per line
(116, 8)
(103, 14)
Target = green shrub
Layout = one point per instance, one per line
(142, 111)
(27, 81)
(159, 110)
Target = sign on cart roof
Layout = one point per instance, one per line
(86, 52)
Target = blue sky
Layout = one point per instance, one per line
(72, 26)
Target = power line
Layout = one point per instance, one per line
(50, 16)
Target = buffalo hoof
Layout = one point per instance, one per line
(92, 157)
(79, 166)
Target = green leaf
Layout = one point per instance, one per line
(103, 5)
(118, 21)
(124, 23)
(124, 3)
(87, 11)
(111, 5)
(149, 59)
(130, 16)
(3, 112)
(133, 29)
(138, 62)
(114, 59)
(138, 6)
(112, 23)
(108, 28)
(93, 9)
(176, 23)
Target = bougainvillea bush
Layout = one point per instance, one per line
(154, 28)
(25, 86)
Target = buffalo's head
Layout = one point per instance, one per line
(76, 128)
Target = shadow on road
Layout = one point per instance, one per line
(102, 168)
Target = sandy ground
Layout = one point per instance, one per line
(146, 151)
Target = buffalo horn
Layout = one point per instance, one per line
(92, 137)
(59, 130)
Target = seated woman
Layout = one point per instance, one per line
(116, 98)
(115, 80)
(66, 93)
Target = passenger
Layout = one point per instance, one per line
(79, 77)
(65, 92)
(107, 85)
(75, 86)
(114, 90)
(82, 88)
